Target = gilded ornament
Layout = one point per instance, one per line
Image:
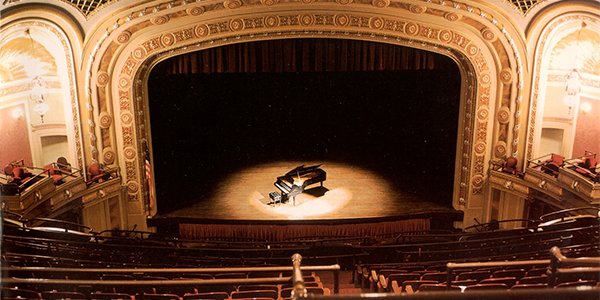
(342, 20)
(139, 53)
(123, 37)
(236, 24)
(167, 39)
(380, 3)
(195, 11)
(126, 118)
(417, 9)
(124, 82)
(472, 49)
(506, 76)
(482, 113)
(343, 2)
(503, 115)
(411, 28)
(500, 150)
(105, 120)
(376, 22)
(129, 153)
(160, 20)
(232, 4)
(480, 148)
(271, 21)
(485, 79)
(487, 34)
(307, 20)
(477, 181)
(445, 36)
(452, 17)
(201, 30)
(102, 79)
(132, 187)
(268, 2)
(108, 155)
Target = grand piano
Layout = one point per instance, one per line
(295, 182)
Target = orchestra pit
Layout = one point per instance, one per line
(318, 149)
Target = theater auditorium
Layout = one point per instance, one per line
(289, 149)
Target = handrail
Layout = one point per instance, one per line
(498, 222)
(568, 210)
(558, 258)
(58, 222)
(531, 294)
(299, 290)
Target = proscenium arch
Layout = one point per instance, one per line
(489, 60)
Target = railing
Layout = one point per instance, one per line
(576, 265)
(296, 277)
(530, 294)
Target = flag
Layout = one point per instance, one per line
(149, 180)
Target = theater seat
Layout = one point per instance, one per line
(211, 296)
(57, 295)
(510, 166)
(110, 296)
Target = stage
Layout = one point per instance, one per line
(349, 195)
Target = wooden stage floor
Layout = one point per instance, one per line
(349, 192)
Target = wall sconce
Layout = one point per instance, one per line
(17, 113)
(586, 107)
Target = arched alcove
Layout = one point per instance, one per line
(38, 87)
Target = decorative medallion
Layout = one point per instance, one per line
(201, 30)
(472, 49)
(477, 181)
(139, 53)
(308, 1)
(232, 4)
(485, 79)
(452, 17)
(126, 118)
(380, 3)
(500, 149)
(236, 24)
(268, 2)
(445, 36)
(129, 153)
(167, 39)
(411, 28)
(124, 82)
(343, 2)
(503, 115)
(123, 37)
(195, 11)
(480, 148)
(102, 79)
(487, 34)
(482, 113)
(160, 20)
(506, 76)
(342, 20)
(105, 120)
(132, 187)
(417, 9)
(271, 21)
(307, 20)
(108, 155)
(376, 22)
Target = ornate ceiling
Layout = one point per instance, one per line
(87, 7)
(578, 50)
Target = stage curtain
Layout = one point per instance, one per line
(283, 232)
(303, 55)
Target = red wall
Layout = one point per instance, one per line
(587, 133)
(14, 137)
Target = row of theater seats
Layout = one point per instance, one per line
(421, 278)
(175, 292)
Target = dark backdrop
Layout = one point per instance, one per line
(400, 124)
